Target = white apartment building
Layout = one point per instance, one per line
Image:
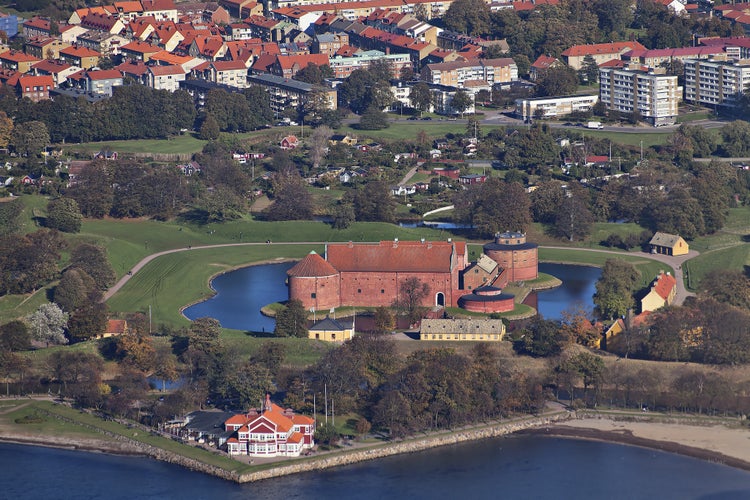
(654, 96)
(716, 83)
(551, 107)
(455, 73)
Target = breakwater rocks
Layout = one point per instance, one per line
(409, 446)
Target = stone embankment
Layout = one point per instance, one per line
(409, 446)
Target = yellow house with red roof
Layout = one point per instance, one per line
(270, 432)
(662, 293)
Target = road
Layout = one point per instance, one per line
(674, 262)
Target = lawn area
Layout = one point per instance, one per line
(631, 138)
(65, 429)
(736, 258)
(187, 143)
(408, 130)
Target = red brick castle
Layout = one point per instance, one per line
(371, 274)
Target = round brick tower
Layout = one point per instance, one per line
(517, 257)
(314, 282)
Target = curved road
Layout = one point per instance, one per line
(674, 262)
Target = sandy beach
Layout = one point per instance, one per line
(715, 443)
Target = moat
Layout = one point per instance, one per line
(240, 294)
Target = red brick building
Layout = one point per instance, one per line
(371, 274)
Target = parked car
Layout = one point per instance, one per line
(427, 118)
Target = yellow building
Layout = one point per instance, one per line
(662, 293)
(480, 330)
(331, 330)
(668, 244)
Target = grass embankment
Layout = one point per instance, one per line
(87, 426)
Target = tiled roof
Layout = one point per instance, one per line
(171, 69)
(313, 265)
(302, 60)
(664, 239)
(79, 52)
(116, 325)
(602, 48)
(36, 81)
(104, 74)
(392, 256)
(664, 284)
(331, 325)
(17, 56)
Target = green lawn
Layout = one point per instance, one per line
(408, 130)
(179, 144)
(736, 258)
(631, 138)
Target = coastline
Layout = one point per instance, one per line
(713, 442)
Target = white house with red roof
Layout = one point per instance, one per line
(270, 432)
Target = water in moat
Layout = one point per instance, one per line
(240, 294)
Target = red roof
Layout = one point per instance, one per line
(104, 74)
(116, 326)
(664, 285)
(36, 81)
(392, 256)
(602, 48)
(302, 60)
(313, 265)
(79, 52)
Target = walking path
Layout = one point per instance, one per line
(674, 262)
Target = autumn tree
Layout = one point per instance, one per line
(15, 336)
(557, 81)
(494, 206)
(573, 219)
(291, 199)
(271, 355)
(30, 138)
(727, 286)
(540, 338)
(470, 17)
(89, 319)
(136, 347)
(73, 289)
(6, 130)
(384, 320)
(420, 97)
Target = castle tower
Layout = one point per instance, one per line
(314, 282)
(511, 251)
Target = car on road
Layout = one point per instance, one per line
(413, 118)
(426, 118)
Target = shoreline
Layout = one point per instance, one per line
(628, 439)
(723, 445)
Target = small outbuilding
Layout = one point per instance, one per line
(668, 244)
(487, 330)
(331, 330)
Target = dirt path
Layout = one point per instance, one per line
(674, 262)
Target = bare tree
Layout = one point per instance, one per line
(318, 144)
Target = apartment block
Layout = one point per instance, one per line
(653, 95)
(716, 83)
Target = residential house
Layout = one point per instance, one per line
(37, 26)
(136, 70)
(105, 43)
(402, 190)
(162, 10)
(329, 43)
(81, 57)
(166, 77)
(115, 327)
(102, 82)
(104, 23)
(289, 142)
(668, 244)
(77, 16)
(44, 47)
(242, 8)
(541, 65)
(238, 31)
(36, 88)
(268, 30)
(288, 66)
(661, 294)
(654, 58)
(71, 32)
(344, 66)
(270, 432)
(58, 70)
(600, 52)
(215, 13)
(332, 330)
(470, 179)
(455, 73)
(190, 168)
(139, 51)
(487, 330)
(15, 60)
(128, 10)
(208, 47)
(342, 139)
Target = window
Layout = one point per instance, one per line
(313, 295)
(382, 290)
(359, 290)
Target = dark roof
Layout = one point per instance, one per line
(473, 297)
(329, 324)
(208, 422)
(500, 246)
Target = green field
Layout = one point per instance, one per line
(735, 257)
(179, 144)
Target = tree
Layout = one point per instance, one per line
(487, 207)
(74, 289)
(93, 189)
(411, 296)
(291, 199)
(209, 130)
(420, 97)
(30, 261)
(6, 130)
(590, 70)
(546, 201)
(384, 320)
(314, 74)
(222, 204)
(736, 138)
(470, 17)
(93, 260)
(540, 338)
(573, 219)
(203, 336)
(557, 81)
(372, 202)
(615, 287)
(343, 215)
(373, 119)
(318, 144)
(63, 214)
(271, 355)
(48, 324)
(90, 319)
(292, 320)
(136, 348)
(30, 138)
(10, 216)
(728, 287)
(15, 336)
(461, 102)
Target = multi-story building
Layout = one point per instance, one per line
(17, 61)
(716, 83)
(654, 96)
(343, 66)
(600, 52)
(455, 73)
(287, 93)
(550, 107)
(165, 77)
(44, 47)
(9, 24)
